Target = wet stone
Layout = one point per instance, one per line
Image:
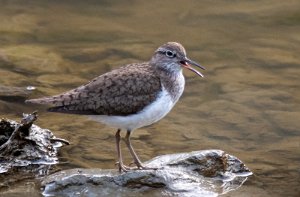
(198, 173)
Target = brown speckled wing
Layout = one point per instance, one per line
(123, 91)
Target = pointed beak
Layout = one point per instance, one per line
(187, 63)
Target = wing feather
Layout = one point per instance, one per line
(124, 91)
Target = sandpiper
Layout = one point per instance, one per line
(130, 97)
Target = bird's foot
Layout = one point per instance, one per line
(140, 166)
(123, 167)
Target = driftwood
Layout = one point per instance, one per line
(23, 144)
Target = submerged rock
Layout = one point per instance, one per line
(199, 173)
(25, 144)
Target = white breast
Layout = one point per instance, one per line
(152, 113)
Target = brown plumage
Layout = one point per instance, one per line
(123, 91)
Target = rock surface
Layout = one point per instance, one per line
(199, 173)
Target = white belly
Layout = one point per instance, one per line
(152, 113)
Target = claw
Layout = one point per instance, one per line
(124, 168)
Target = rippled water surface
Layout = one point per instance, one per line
(248, 104)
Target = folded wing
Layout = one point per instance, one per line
(119, 92)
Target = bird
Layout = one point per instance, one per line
(129, 97)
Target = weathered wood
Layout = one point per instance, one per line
(23, 144)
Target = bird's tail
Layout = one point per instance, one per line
(53, 100)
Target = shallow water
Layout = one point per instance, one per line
(248, 104)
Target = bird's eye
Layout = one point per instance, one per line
(170, 54)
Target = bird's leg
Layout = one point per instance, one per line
(122, 167)
(137, 161)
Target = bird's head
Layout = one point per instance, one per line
(172, 57)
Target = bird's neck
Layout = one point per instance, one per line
(173, 82)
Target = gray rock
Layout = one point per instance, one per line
(199, 173)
